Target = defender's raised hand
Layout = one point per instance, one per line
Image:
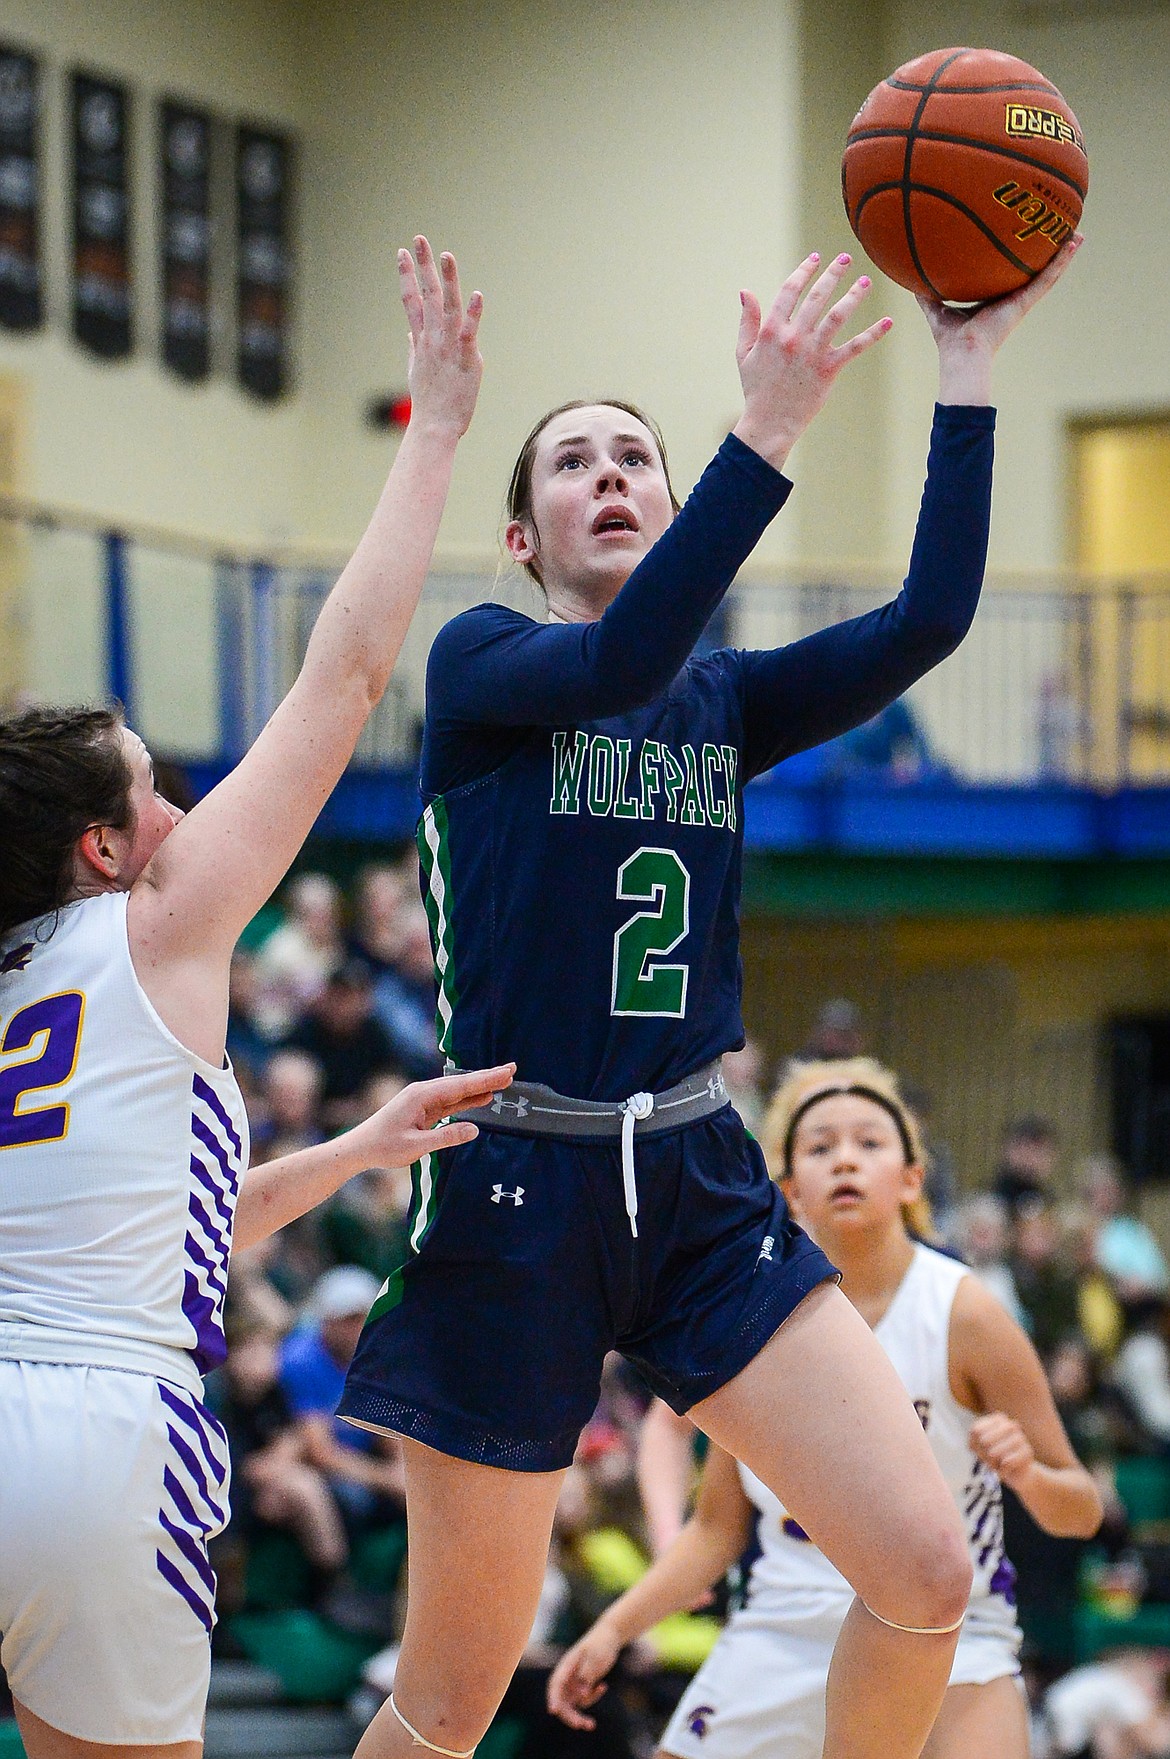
(445, 363)
(789, 360)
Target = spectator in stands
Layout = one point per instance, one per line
(1116, 1708)
(381, 899)
(1027, 1162)
(1102, 1322)
(247, 1046)
(982, 1238)
(274, 1485)
(364, 1471)
(892, 746)
(342, 1033)
(1140, 1373)
(836, 1032)
(1126, 1250)
(293, 963)
(1045, 1280)
(941, 1187)
(742, 1070)
(290, 1100)
(404, 998)
(365, 1223)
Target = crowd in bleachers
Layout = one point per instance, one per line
(332, 1009)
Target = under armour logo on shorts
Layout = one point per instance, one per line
(516, 1197)
(766, 1248)
(501, 1104)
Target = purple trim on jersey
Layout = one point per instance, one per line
(196, 1471)
(219, 1242)
(210, 1186)
(216, 1273)
(190, 1549)
(208, 1242)
(203, 1315)
(183, 1503)
(201, 1420)
(207, 1094)
(1004, 1580)
(199, 1607)
(215, 1147)
(193, 1508)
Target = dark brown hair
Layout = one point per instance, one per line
(61, 770)
(520, 487)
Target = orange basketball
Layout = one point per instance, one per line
(964, 173)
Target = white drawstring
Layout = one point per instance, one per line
(639, 1105)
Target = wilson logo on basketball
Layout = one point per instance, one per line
(1039, 220)
(1023, 121)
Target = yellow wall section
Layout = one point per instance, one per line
(992, 1017)
(1123, 497)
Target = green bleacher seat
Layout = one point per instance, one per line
(11, 1745)
(1143, 1484)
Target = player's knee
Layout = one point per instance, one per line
(932, 1585)
(455, 1715)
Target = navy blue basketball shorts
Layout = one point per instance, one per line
(488, 1344)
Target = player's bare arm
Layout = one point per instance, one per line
(1018, 1433)
(226, 858)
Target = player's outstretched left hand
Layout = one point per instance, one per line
(445, 363)
(1001, 1444)
(789, 358)
(407, 1126)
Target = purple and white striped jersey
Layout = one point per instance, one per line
(791, 1579)
(121, 1153)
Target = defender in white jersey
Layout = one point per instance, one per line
(123, 1137)
(848, 1152)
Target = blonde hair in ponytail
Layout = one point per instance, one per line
(802, 1081)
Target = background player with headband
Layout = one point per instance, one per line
(123, 1137)
(848, 1154)
(581, 847)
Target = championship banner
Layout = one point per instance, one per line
(21, 293)
(185, 163)
(263, 269)
(101, 217)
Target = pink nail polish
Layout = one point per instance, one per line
(815, 257)
(865, 281)
(843, 259)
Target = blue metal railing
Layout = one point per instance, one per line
(1060, 680)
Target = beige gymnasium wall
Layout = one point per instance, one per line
(610, 178)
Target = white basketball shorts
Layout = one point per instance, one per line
(760, 1694)
(111, 1485)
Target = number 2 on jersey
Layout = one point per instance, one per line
(56, 1019)
(640, 984)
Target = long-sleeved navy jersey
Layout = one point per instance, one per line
(582, 836)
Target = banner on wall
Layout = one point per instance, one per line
(21, 291)
(263, 260)
(102, 280)
(185, 238)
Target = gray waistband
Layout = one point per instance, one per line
(528, 1108)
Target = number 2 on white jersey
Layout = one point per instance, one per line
(56, 1021)
(642, 985)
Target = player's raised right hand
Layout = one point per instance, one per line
(445, 363)
(789, 359)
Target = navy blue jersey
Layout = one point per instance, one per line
(582, 836)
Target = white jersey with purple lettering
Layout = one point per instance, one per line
(761, 1692)
(121, 1153)
(120, 1158)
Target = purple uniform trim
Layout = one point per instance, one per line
(199, 1607)
(202, 1091)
